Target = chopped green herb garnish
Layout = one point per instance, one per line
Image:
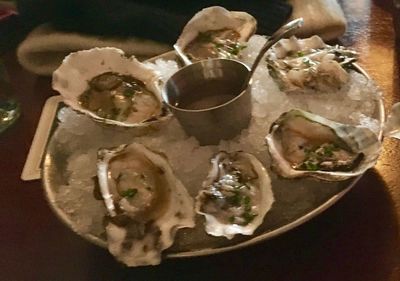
(129, 193)
(323, 157)
(328, 150)
(235, 199)
(129, 93)
(246, 200)
(300, 54)
(311, 166)
(236, 48)
(248, 217)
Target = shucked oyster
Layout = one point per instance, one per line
(145, 201)
(236, 195)
(301, 64)
(215, 32)
(304, 144)
(110, 87)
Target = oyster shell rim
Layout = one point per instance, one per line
(267, 201)
(182, 42)
(153, 85)
(281, 75)
(283, 168)
(179, 200)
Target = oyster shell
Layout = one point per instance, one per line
(106, 69)
(145, 201)
(236, 195)
(304, 144)
(215, 32)
(300, 64)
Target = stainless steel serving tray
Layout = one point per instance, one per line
(296, 202)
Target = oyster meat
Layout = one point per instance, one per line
(236, 195)
(120, 97)
(215, 32)
(110, 87)
(305, 144)
(309, 64)
(145, 201)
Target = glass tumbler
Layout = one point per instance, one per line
(9, 107)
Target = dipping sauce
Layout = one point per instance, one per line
(120, 97)
(207, 95)
(221, 43)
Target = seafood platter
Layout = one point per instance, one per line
(121, 172)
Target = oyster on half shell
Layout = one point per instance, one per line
(110, 87)
(309, 64)
(215, 32)
(304, 144)
(145, 201)
(236, 195)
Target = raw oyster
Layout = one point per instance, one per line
(110, 87)
(215, 32)
(304, 144)
(145, 201)
(301, 64)
(236, 195)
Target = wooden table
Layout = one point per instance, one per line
(356, 239)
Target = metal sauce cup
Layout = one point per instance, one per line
(208, 99)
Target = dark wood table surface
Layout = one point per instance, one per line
(356, 239)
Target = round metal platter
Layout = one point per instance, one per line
(296, 202)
